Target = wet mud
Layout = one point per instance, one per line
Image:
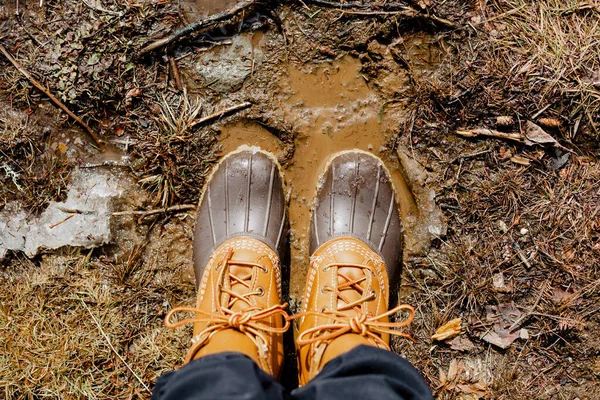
(197, 9)
(331, 109)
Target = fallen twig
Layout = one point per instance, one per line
(60, 222)
(221, 113)
(175, 72)
(198, 25)
(147, 213)
(74, 211)
(530, 135)
(357, 9)
(472, 133)
(386, 9)
(47, 92)
(112, 348)
(530, 312)
(334, 4)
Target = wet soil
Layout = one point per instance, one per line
(332, 109)
(196, 9)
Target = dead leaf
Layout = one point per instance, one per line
(448, 330)
(534, 134)
(132, 93)
(476, 390)
(510, 313)
(443, 378)
(135, 92)
(502, 338)
(465, 380)
(452, 370)
(461, 343)
(504, 316)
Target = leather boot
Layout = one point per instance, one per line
(239, 239)
(356, 258)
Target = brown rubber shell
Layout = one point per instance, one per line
(243, 197)
(356, 199)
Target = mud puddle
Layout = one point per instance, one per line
(196, 9)
(331, 109)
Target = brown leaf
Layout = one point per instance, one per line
(461, 343)
(135, 92)
(452, 370)
(502, 338)
(536, 135)
(448, 330)
(443, 378)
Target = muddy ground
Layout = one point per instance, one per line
(501, 233)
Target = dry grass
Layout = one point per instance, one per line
(169, 145)
(549, 46)
(52, 347)
(549, 251)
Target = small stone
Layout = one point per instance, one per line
(502, 226)
(498, 280)
(524, 334)
(524, 231)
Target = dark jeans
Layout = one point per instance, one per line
(362, 373)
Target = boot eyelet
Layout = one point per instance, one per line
(264, 269)
(325, 289)
(324, 309)
(374, 294)
(261, 291)
(326, 268)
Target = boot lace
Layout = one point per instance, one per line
(253, 321)
(367, 325)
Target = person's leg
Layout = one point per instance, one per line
(220, 376)
(366, 372)
(239, 320)
(356, 261)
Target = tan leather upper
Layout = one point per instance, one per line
(347, 291)
(239, 296)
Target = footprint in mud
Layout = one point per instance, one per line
(331, 109)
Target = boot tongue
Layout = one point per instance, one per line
(350, 294)
(241, 272)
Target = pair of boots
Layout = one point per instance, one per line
(239, 239)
